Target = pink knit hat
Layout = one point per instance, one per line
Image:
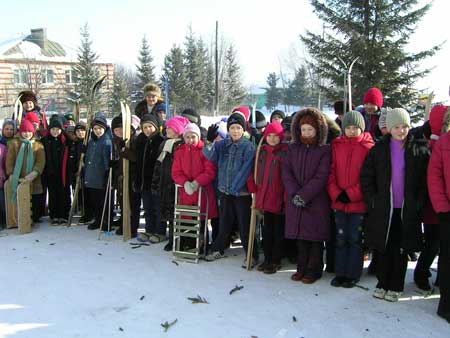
(274, 128)
(135, 122)
(177, 124)
(192, 128)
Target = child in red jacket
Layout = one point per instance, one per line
(349, 153)
(270, 196)
(192, 170)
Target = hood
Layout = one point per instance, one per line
(321, 122)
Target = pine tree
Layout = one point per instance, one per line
(86, 70)
(273, 94)
(296, 93)
(145, 68)
(174, 71)
(122, 88)
(375, 31)
(233, 90)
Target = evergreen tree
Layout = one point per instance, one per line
(174, 71)
(375, 31)
(273, 94)
(122, 88)
(145, 68)
(86, 70)
(297, 91)
(233, 90)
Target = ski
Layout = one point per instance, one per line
(126, 212)
(18, 111)
(90, 117)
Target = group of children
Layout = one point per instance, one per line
(360, 182)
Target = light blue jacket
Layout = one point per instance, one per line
(96, 162)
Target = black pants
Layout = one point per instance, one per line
(392, 264)
(273, 236)
(310, 258)
(58, 200)
(37, 200)
(444, 269)
(429, 251)
(135, 208)
(330, 247)
(95, 198)
(233, 208)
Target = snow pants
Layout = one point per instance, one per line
(58, 200)
(310, 258)
(273, 237)
(429, 251)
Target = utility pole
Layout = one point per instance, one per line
(216, 80)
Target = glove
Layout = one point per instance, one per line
(31, 176)
(195, 185)
(298, 201)
(188, 188)
(212, 132)
(121, 143)
(343, 197)
(444, 218)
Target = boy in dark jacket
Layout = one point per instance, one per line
(393, 182)
(56, 173)
(147, 148)
(270, 196)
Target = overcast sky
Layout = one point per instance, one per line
(263, 31)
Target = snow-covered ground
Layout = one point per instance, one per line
(60, 282)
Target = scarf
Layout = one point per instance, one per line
(26, 144)
(167, 149)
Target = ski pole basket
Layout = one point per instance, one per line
(187, 225)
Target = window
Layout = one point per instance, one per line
(47, 76)
(20, 76)
(71, 76)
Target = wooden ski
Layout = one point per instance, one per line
(90, 117)
(126, 212)
(11, 205)
(18, 111)
(24, 221)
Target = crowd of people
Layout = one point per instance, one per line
(366, 181)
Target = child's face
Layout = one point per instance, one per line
(55, 132)
(98, 131)
(162, 115)
(236, 131)
(308, 131)
(148, 129)
(273, 139)
(370, 108)
(27, 135)
(170, 133)
(352, 131)
(81, 133)
(191, 139)
(277, 118)
(8, 131)
(71, 123)
(400, 132)
(28, 105)
(151, 99)
(118, 132)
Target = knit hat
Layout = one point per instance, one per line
(151, 89)
(192, 116)
(397, 116)
(382, 119)
(100, 120)
(135, 122)
(353, 118)
(191, 128)
(278, 113)
(374, 96)
(177, 124)
(244, 110)
(339, 107)
(27, 95)
(236, 118)
(150, 118)
(32, 117)
(160, 107)
(26, 126)
(222, 124)
(274, 128)
(69, 117)
(55, 123)
(260, 120)
(80, 125)
(437, 114)
(116, 122)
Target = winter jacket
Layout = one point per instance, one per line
(270, 189)
(371, 121)
(190, 164)
(147, 149)
(162, 182)
(141, 109)
(305, 173)
(56, 160)
(348, 156)
(39, 162)
(96, 162)
(439, 174)
(235, 163)
(376, 186)
(334, 129)
(3, 151)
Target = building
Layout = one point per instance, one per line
(44, 66)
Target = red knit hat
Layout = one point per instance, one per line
(32, 117)
(26, 126)
(274, 128)
(437, 114)
(374, 96)
(243, 110)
